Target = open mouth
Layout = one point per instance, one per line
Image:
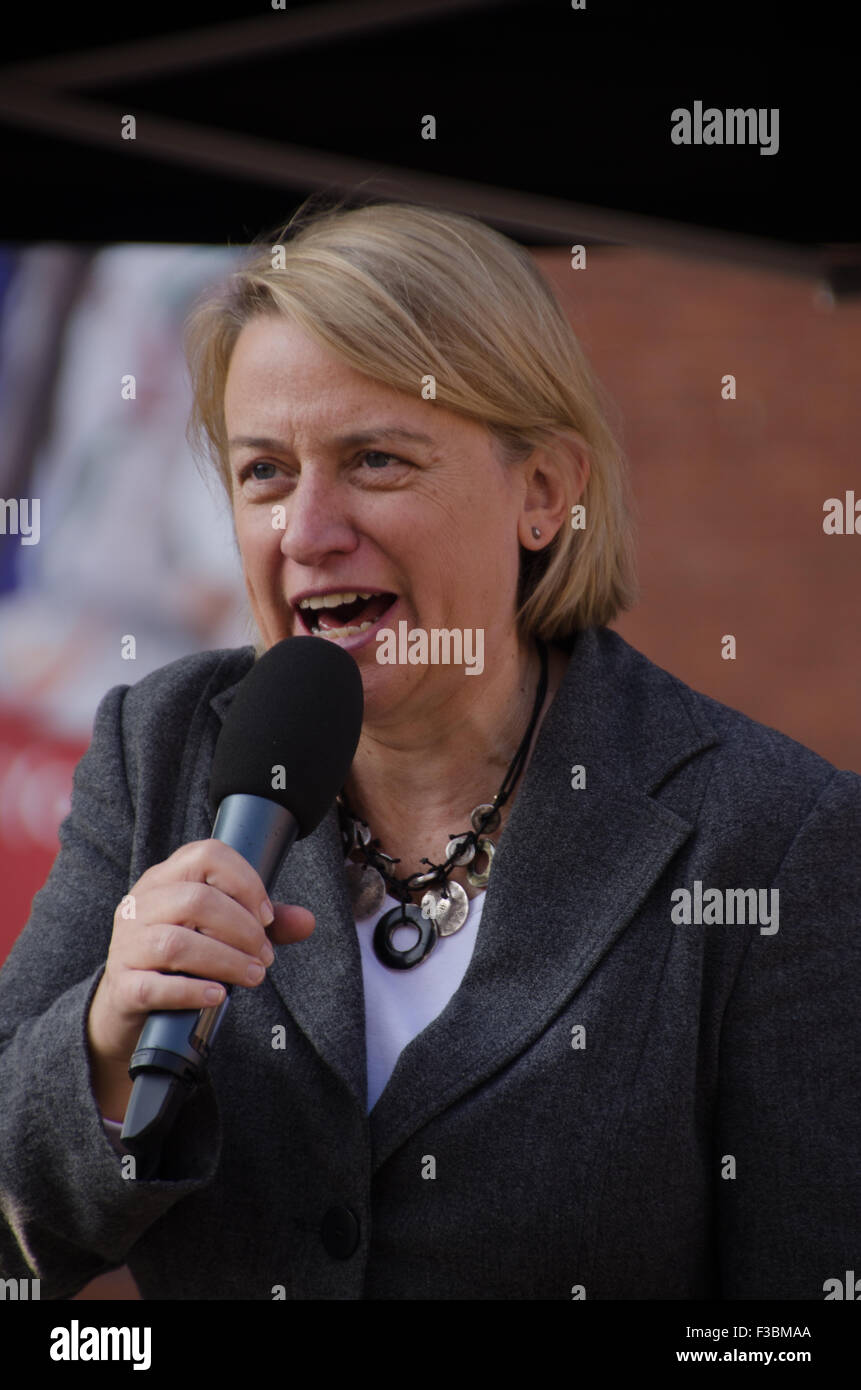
(345, 614)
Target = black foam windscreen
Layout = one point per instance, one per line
(299, 708)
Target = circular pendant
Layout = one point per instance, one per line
(491, 824)
(448, 913)
(366, 887)
(462, 848)
(479, 880)
(404, 916)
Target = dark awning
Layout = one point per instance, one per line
(553, 123)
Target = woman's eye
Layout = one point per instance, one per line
(375, 454)
(374, 459)
(250, 472)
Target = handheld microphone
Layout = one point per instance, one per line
(283, 753)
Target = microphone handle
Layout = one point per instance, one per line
(174, 1046)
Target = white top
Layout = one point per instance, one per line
(399, 1004)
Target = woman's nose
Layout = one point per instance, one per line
(316, 520)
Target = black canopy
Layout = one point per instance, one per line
(559, 125)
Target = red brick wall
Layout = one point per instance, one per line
(730, 493)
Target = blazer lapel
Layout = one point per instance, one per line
(320, 980)
(570, 871)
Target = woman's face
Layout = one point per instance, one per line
(429, 525)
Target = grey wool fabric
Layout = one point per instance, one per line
(618, 1105)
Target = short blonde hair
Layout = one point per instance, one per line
(399, 292)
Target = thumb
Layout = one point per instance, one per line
(292, 923)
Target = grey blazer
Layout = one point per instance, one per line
(620, 1104)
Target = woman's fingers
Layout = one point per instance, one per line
(292, 923)
(212, 862)
(190, 925)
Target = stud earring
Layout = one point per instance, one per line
(536, 533)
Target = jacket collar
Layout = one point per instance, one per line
(630, 725)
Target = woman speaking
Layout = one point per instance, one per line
(555, 1001)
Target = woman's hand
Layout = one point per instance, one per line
(201, 913)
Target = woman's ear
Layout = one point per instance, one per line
(555, 476)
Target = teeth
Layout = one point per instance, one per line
(340, 631)
(331, 600)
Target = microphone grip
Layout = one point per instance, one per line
(175, 1044)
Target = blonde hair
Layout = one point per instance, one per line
(399, 292)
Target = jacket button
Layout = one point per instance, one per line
(340, 1232)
